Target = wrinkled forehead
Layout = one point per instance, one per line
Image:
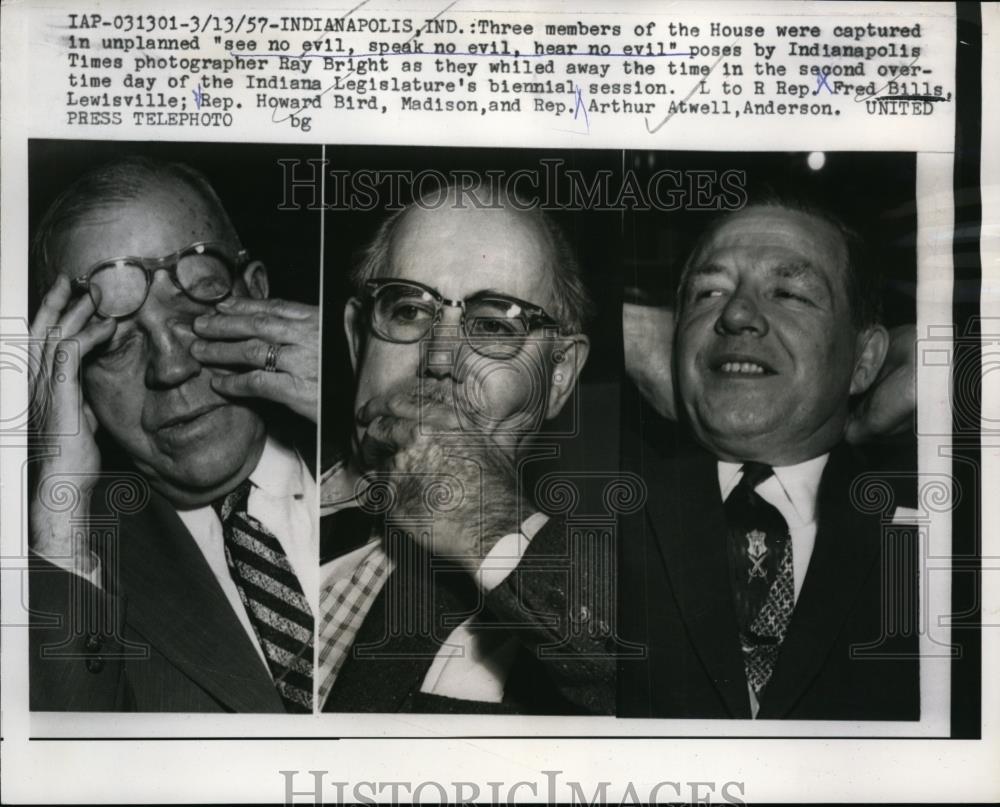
(161, 220)
(464, 250)
(759, 238)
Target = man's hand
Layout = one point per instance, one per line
(888, 406)
(63, 332)
(649, 335)
(469, 488)
(240, 334)
(884, 410)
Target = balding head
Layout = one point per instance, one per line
(468, 216)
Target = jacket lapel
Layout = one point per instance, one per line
(689, 522)
(177, 605)
(842, 558)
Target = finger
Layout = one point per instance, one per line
(279, 308)
(67, 356)
(48, 315)
(73, 320)
(96, 332)
(69, 351)
(250, 352)
(392, 434)
(51, 308)
(89, 416)
(412, 407)
(297, 394)
(245, 326)
(397, 405)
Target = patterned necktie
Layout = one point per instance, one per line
(273, 598)
(761, 574)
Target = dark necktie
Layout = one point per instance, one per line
(761, 574)
(273, 598)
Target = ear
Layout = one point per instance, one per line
(870, 348)
(255, 279)
(567, 362)
(354, 327)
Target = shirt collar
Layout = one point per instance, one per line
(798, 484)
(279, 470)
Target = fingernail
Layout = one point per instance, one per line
(202, 320)
(229, 302)
(197, 346)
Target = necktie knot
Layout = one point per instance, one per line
(233, 502)
(754, 473)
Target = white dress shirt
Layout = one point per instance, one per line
(283, 499)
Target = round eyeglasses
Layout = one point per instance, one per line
(494, 325)
(204, 271)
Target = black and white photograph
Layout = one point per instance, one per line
(534, 403)
(172, 474)
(772, 350)
(476, 307)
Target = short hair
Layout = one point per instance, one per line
(862, 277)
(572, 307)
(121, 180)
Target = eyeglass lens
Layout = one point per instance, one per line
(204, 276)
(493, 327)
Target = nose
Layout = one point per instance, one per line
(741, 315)
(442, 346)
(169, 336)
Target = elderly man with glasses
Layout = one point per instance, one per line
(449, 590)
(173, 529)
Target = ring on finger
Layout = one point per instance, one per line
(271, 360)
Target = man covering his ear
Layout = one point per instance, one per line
(760, 579)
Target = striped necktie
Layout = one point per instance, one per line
(273, 598)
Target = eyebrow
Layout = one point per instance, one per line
(698, 270)
(490, 293)
(794, 270)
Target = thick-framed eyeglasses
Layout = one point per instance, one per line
(204, 271)
(494, 325)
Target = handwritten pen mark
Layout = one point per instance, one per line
(821, 82)
(199, 95)
(885, 86)
(349, 13)
(929, 98)
(694, 89)
(516, 55)
(343, 17)
(581, 107)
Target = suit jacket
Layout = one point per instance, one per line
(562, 664)
(160, 636)
(676, 600)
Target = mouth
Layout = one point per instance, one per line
(187, 418)
(738, 365)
